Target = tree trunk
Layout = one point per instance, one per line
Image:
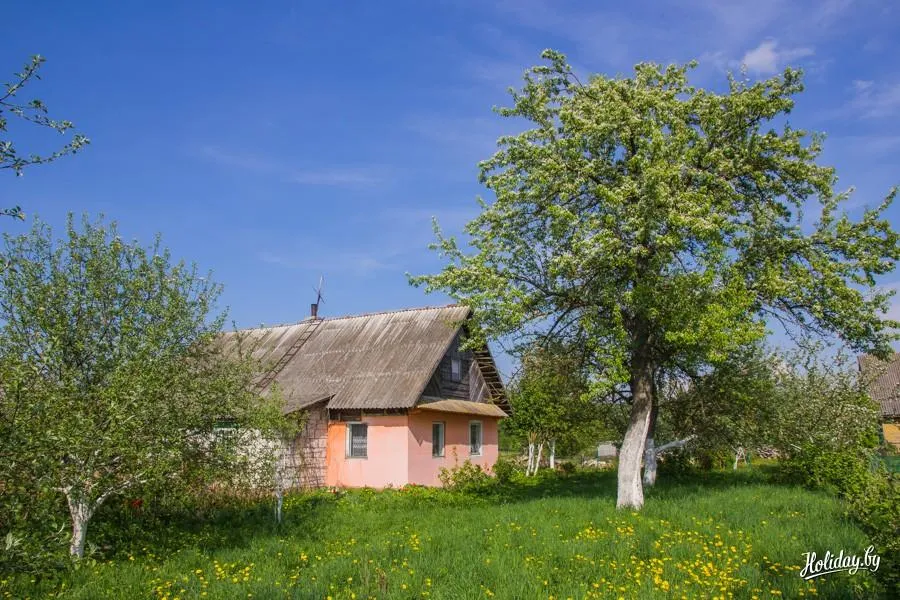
(81, 512)
(738, 454)
(552, 454)
(530, 458)
(650, 452)
(650, 463)
(537, 462)
(630, 490)
(279, 502)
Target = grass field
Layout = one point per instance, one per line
(720, 536)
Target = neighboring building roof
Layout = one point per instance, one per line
(885, 387)
(462, 406)
(372, 361)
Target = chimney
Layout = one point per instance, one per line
(314, 310)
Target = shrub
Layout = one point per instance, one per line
(567, 467)
(871, 493)
(465, 477)
(844, 473)
(676, 462)
(504, 470)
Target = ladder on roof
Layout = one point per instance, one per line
(304, 336)
(490, 375)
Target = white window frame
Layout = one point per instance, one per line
(457, 362)
(443, 425)
(480, 438)
(348, 453)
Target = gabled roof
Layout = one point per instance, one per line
(885, 387)
(372, 361)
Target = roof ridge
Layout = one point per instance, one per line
(357, 316)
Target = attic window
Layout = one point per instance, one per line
(455, 369)
(357, 440)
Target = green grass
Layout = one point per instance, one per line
(721, 535)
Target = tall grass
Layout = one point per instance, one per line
(723, 535)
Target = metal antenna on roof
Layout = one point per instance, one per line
(314, 308)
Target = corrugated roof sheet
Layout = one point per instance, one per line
(885, 387)
(463, 406)
(373, 361)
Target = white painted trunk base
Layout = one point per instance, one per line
(81, 513)
(552, 454)
(630, 488)
(650, 462)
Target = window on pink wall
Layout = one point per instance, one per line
(437, 439)
(475, 438)
(357, 440)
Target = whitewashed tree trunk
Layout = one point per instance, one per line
(630, 490)
(279, 501)
(552, 447)
(530, 458)
(650, 454)
(537, 462)
(281, 468)
(81, 512)
(650, 462)
(672, 445)
(738, 455)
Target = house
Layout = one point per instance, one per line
(387, 399)
(607, 450)
(885, 390)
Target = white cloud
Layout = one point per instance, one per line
(767, 58)
(358, 263)
(873, 101)
(349, 176)
(470, 138)
(870, 146)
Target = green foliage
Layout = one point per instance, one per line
(567, 467)
(838, 472)
(779, 400)
(31, 111)
(550, 402)
(872, 496)
(537, 537)
(647, 204)
(504, 470)
(823, 403)
(113, 376)
(658, 225)
(467, 477)
(677, 463)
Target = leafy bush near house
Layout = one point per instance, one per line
(841, 472)
(676, 463)
(467, 477)
(870, 492)
(567, 467)
(504, 470)
(33, 531)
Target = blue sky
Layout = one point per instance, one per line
(275, 141)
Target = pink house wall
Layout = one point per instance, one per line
(424, 468)
(399, 449)
(386, 463)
